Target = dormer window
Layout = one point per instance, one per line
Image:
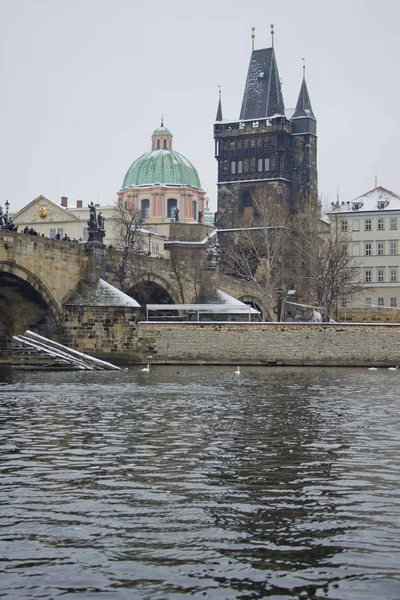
(356, 206)
(381, 204)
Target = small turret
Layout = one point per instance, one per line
(304, 120)
(219, 109)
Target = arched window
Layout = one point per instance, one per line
(145, 208)
(172, 205)
(165, 143)
(194, 210)
(158, 143)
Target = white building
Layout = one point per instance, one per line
(372, 222)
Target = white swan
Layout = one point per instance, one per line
(237, 372)
(146, 369)
(393, 368)
(372, 369)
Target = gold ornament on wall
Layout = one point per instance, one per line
(43, 212)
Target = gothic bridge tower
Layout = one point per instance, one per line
(268, 147)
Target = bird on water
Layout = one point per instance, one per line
(237, 372)
(146, 369)
(372, 369)
(393, 368)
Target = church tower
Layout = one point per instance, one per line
(265, 148)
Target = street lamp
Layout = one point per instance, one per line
(149, 237)
(288, 293)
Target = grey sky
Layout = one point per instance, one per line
(84, 83)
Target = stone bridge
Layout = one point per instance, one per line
(39, 275)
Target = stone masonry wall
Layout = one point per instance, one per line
(108, 333)
(270, 344)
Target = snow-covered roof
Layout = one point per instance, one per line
(101, 294)
(379, 199)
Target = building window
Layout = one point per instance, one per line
(194, 210)
(233, 167)
(380, 302)
(393, 223)
(155, 248)
(393, 302)
(344, 225)
(260, 165)
(368, 249)
(381, 273)
(172, 205)
(381, 205)
(368, 302)
(393, 248)
(381, 224)
(240, 166)
(53, 233)
(368, 276)
(266, 164)
(145, 209)
(381, 249)
(368, 224)
(393, 275)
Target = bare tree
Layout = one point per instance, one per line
(257, 249)
(326, 270)
(130, 242)
(192, 280)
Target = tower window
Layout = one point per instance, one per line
(145, 208)
(260, 165)
(240, 166)
(165, 143)
(158, 143)
(233, 167)
(172, 204)
(266, 167)
(194, 209)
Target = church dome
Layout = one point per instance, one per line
(161, 166)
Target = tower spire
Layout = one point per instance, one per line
(272, 35)
(219, 109)
(303, 116)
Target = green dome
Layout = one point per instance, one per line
(162, 131)
(161, 166)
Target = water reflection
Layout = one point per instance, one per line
(192, 482)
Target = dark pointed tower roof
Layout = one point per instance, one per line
(303, 118)
(262, 95)
(219, 109)
(303, 106)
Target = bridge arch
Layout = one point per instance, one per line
(258, 304)
(152, 288)
(25, 302)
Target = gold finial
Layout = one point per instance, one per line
(253, 35)
(219, 91)
(272, 33)
(304, 66)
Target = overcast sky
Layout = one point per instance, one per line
(84, 83)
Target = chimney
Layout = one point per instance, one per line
(79, 203)
(64, 201)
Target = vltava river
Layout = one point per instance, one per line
(194, 482)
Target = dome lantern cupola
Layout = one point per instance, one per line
(161, 138)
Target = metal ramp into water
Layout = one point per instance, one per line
(32, 350)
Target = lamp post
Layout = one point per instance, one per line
(149, 238)
(279, 304)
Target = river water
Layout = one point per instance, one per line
(194, 482)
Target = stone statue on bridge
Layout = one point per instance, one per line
(95, 225)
